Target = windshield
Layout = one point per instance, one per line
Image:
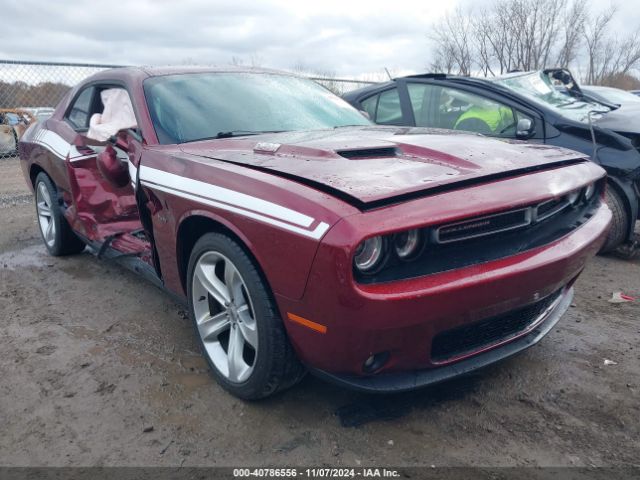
(190, 107)
(538, 87)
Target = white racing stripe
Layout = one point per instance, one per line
(224, 195)
(58, 145)
(201, 192)
(232, 201)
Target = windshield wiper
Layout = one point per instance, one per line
(234, 133)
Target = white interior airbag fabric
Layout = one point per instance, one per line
(117, 115)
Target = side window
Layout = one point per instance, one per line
(461, 110)
(369, 105)
(78, 116)
(384, 108)
(420, 96)
(388, 111)
(112, 112)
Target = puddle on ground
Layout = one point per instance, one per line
(190, 381)
(33, 256)
(194, 363)
(83, 332)
(96, 351)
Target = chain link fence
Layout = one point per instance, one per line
(29, 91)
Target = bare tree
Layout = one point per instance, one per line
(509, 34)
(594, 34)
(255, 61)
(573, 24)
(609, 58)
(444, 61)
(537, 26)
(531, 35)
(496, 40)
(453, 35)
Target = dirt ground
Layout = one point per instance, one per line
(101, 368)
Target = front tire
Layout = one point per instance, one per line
(236, 321)
(619, 222)
(54, 228)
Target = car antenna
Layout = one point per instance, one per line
(388, 74)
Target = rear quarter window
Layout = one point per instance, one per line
(78, 115)
(384, 108)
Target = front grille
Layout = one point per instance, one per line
(499, 222)
(481, 226)
(469, 338)
(550, 208)
(477, 240)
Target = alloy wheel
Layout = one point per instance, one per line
(45, 215)
(224, 315)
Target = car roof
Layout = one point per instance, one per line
(359, 92)
(140, 73)
(480, 82)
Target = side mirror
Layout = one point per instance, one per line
(524, 129)
(119, 140)
(365, 114)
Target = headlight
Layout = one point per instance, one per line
(407, 244)
(589, 191)
(573, 197)
(369, 254)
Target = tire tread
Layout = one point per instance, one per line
(619, 222)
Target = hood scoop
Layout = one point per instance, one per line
(378, 152)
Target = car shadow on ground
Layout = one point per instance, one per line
(369, 408)
(354, 409)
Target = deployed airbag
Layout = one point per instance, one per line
(117, 115)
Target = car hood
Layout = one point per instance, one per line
(625, 119)
(368, 165)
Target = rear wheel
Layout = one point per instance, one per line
(54, 228)
(619, 223)
(237, 322)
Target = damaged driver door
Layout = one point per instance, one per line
(102, 167)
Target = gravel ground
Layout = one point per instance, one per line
(101, 368)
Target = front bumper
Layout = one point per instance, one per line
(402, 319)
(403, 381)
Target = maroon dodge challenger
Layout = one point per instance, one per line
(304, 238)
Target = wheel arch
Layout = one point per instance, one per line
(193, 226)
(34, 171)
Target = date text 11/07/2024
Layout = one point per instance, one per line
(315, 472)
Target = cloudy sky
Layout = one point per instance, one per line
(346, 38)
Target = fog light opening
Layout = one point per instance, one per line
(375, 362)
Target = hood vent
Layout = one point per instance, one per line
(380, 152)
